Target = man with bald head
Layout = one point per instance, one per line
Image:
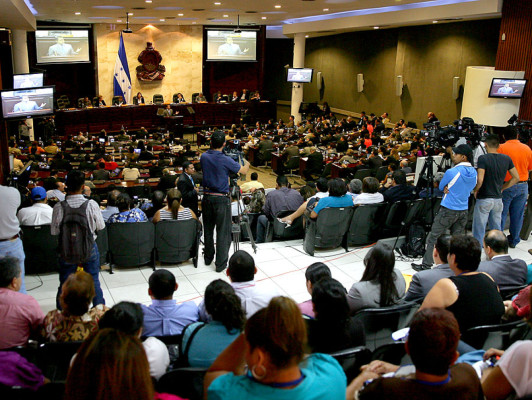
(506, 271)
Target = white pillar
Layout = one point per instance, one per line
(298, 62)
(21, 64)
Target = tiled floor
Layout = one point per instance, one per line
(279, 264)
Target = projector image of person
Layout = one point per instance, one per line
(506, 89)
(230, 49)
(27, 83)
(62, 49)
(27, 105)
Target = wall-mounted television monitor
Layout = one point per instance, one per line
(27, 103)
(299, 75)
(507, 88)
(62, 46)
(231, 46)
(24, 81)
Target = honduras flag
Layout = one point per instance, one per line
(122, 79)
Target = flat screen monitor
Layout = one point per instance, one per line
(28, 102)
(25, 81)
(62, 46)
(300, 75)
(231, 46)
(507, 88)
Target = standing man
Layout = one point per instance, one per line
(514, 198)
(188, 189)
(457, 184)
(216, 204)
(70, 218)
(10, 242)
(492, 169)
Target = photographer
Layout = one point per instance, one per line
(216, 204)
(457, 184)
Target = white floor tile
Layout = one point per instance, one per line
(200, 281)
(264, 255)
(136, 293)
(48, 290)
(47, 304)
(291, 282)
(277, 267)
(123, 277)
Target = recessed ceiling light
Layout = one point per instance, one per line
(226, 16)
(263, 17)
(325, 9)
(434, 22)
(162, 20)
(376, 27)
(129, 13)
(118, 20)
(278, 6)
(217, 3)
(77, 13)
(306, 35)
(180, 15)
(148, 1)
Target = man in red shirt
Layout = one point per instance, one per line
(514, 198)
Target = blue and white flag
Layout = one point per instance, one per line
(122, 79)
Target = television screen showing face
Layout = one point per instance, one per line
(27, 103)
(300, 75)
(231, 46)
(23, 81)
(507, 88)
(62, 46)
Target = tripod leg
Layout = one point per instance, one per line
(251, 240)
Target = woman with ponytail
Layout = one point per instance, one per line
(174, 209)
(272, 348)
(202, 343)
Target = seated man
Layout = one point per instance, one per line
(253, 184)
(164, 316)
(58, 192)
(125, 212)
(39, 213)
(432, 343)
(506, 271)
(101, 174)
(424, 280)
(20, 314)
(399, 190)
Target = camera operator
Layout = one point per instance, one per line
(216, 204)
(457, 184)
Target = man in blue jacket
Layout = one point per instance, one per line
(457, 184)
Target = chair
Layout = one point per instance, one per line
(266, 157)
(280, 231)
(194, 95)
(183, 382)
(41, 249)
(63, 101)
(158, 99)
(292, 165)
(328, 230)
(365, 224)
(381, 173)
(380, 323)
(177, 241)
(394, 353)
(80, 102)
(499, 336)
(174, 98)
(102, 241)
(510, 292)
(142, 192)
(393, 219)
(116, 100)
(96, 101)
(362, 173)
(54, 359)
(352, 359)
(131, 244)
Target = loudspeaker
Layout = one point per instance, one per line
(360, 83)
(399, 85)
(456, 87)
(319, 80)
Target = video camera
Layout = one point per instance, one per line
(524, 128)
(438, 136)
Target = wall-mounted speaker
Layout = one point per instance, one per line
(399, 85)
(360, 83)
(456, 87)
(319, 80)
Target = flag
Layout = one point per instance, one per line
(122, 79)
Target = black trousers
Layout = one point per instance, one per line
(217, 213)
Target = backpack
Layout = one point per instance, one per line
(414, 245)
(75, 237)
(258, 198)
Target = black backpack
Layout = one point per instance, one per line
(414, 245)
(75, 237)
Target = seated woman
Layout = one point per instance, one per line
(370, 192)
(202, 343)
(314, 273)
(126, 213)
(180, 98)
(110, 365)
(381, 285)
(473, 297)
(337, 198)
(138, 99)
(174, 209)
(75, 321)
(333, 329)
(273, 349)
(128, 318)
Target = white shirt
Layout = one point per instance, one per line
(157, 354)
(253, 297)
(9, 225)
(368, 198)
(130, 174)
(516, 365)
(37, 214)
(55, 193)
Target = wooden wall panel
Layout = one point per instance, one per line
(515, 52)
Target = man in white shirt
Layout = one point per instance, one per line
(39, 213)
(57, 193)
(253, 184)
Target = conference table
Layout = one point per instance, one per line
(113, 118)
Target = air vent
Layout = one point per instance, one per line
(198, 9)
(169, 17)
(211, 19)
(138, 8)
(251, 12)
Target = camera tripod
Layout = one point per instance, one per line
(239, 220)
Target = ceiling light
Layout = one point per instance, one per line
(325, 9)
(306, 35)
(277, 6)
(118, 20)
(376, 27)
(78, 13)
(148, 1)
(194, 22)
(129, 13)
(217, 3)
(434, 22)
(162, 20)
(180, 15)
(263, 17)
(226, 16)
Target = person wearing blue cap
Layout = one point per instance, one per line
(39, 213)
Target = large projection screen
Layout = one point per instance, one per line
(231, 46)
(62, 46)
